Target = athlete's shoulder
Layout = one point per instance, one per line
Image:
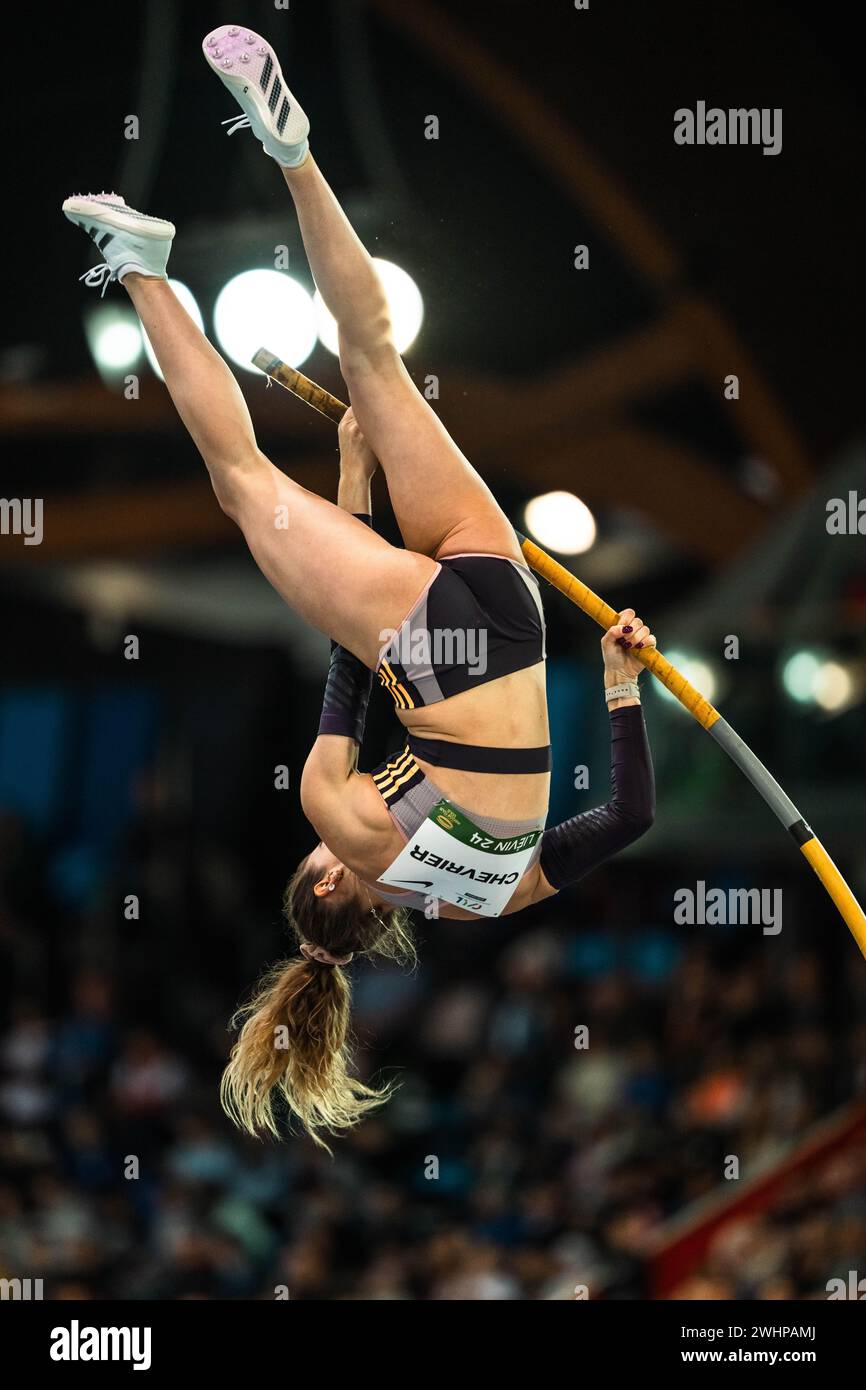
(347, 802)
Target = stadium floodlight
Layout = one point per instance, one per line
(115, 340)
(265, 306)
(561, 522)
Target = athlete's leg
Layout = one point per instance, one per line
(339, 575)
(441, 504)
(204, 390)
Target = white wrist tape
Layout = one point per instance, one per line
(628, 690)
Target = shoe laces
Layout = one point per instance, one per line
(99, 275)
(237, 123)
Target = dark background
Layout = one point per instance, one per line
(156, 777)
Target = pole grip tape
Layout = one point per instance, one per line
(602, 613)
(299, 385)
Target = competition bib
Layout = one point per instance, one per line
(451, 858)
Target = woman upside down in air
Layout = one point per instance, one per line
(454, 823)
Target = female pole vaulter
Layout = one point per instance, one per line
(454, 823)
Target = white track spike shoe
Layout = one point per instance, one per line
(248, 66)
(128, 240)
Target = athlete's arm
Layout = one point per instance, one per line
(334, 756)
(571, 850)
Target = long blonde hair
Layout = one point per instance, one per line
(294, 1041)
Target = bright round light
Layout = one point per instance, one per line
(697, 672)
(561, 522)
(264, 308)
(405, 304)
(114, 338)
(799, 675)
(834, 686)
(187, 299)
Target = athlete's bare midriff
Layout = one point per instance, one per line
(510, 712)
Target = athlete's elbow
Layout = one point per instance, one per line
(642, 821)
(636, 821)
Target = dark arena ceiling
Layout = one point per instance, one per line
(553, 134)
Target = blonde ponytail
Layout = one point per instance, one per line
(293, 1043)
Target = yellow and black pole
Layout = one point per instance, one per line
(706, 715)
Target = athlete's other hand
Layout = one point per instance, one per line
(619, 645)
(356, 456)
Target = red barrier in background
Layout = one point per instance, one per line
(685, 1241)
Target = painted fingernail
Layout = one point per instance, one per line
(628, 629)
(637, 646)
(620, 641)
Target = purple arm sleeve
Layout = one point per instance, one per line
(572, 849)
(347, 689)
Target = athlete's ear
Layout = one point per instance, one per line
(329, 882)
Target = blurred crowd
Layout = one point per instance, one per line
(569, 1081)
(810, 1242)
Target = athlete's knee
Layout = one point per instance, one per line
(377, 356)
(234, 476)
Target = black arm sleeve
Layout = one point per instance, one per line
(572, 849)
(347, 689)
